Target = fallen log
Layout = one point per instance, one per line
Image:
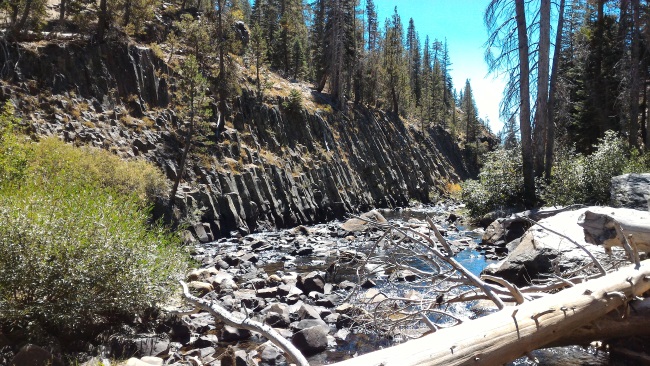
(514, 331)
(617, 227)
(624, 322)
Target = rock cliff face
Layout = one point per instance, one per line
(269, 166)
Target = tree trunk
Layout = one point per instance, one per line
(102, 23)
(18, 28)
(127, 12)
(186, 150)
(524, 107)
(62, 9)
(550, 123)
(514, 331)
(540, 133)
(635, 84)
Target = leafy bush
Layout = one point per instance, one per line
(578, 179)
(566, 187)
(500, 183)
(107, 170)
(76, 248)
(13, 153)
(607, 161)
(638, 163)
(77, 256)
(575, 178)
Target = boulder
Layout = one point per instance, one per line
(312, 281)
(230, 334)
(539, 250)
(308, 312)
(277, 320)
(270, 355)
(31, 355)
(631, 191)
(355, 224)
(311, 340)
(502, 231)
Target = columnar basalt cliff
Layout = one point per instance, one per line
(268, 166)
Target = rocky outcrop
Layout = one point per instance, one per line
(268, 167)
(631, 191)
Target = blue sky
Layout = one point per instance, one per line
(461, 22)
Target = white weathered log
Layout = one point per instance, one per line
(626, 321)
(610, 227)
(512, 332)
(218, 312)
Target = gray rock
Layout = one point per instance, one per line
(277, 320)
(312, 281)
(539, 250)
(308, 312)
(269, 292)
(270, 355)
(230, 334)
(355, 224)
(311, 340)
(31, 355)
(631, 191)
(307, 323)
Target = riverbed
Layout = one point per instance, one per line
(314, 248)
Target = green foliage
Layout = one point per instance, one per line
(13, 154)
(72, 256)
(76, 249)
(566, 187)
(137, 178)
(638, 163)
(294, 101)
(575, 178)
(607, 160)
(500, 183)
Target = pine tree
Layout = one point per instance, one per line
(395, 65)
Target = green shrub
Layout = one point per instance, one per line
(607, 161)
(567, 185)
(638, 163)
(500, 183)
(14, 153)
(54, 160)
(575, 178)
(76, 256)
(76, 248)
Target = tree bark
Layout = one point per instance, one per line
(524, 106)
(102, 23)
(18, 27)
(541, 113)
(550, 124)
(514, 331)
(62, 9)
(635, 84)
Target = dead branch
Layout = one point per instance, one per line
(230, 319)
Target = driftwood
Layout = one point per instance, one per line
(228, 318)
(625, 228)
(514, 331)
